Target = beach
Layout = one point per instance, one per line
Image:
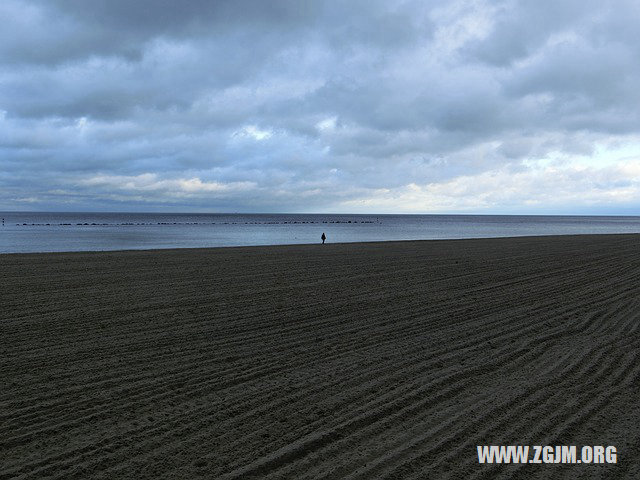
(358, 360)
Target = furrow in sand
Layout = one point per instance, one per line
(181, 299)
(533, 361)
(412, 402)
(357, 347)
(562, 424)
(101, 381)
(413, 455)
(607, 369)
(401, 450)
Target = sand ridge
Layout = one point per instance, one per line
(379, 360)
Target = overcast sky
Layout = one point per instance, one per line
(320, 106)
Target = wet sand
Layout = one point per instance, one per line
(379, 360)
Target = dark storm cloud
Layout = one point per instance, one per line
(79, 29)
(521, 28)
(307, 105)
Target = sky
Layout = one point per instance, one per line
(505, 107)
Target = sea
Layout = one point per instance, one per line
(22, 232)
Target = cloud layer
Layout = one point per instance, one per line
(295, 106)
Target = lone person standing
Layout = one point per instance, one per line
(323, 237)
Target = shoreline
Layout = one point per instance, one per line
(284, 245)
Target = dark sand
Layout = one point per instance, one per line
(385, 360)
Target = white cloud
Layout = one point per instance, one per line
(251, 131)
(169, 188)
(327, 124)
(561, 189)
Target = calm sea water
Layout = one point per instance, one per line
(54, 232)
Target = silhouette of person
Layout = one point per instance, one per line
(323, 237)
